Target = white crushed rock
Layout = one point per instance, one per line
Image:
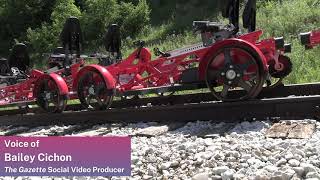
(242, 152)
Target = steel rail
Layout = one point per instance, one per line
(280, 91)
(285, 108)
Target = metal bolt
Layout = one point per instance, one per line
(231, 66)
(48, 96)
(230, 82)
(91, 90)
(238, 75)
(222, 74)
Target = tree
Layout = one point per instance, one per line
(99, 14)
(17, 15)
(46, 38)
(133, 18)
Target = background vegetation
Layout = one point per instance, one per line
(163, 23)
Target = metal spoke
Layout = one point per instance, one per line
(254, 74)
(246, 65)
(227, 57)
(89, 98)
(253, 83)
(253, 77)
(100, 92)
(244, 85)
(55, 99)
(224, 91)
(46, 104)
(46, 84)
(89, 77)
(98, 99)
(213, 74)
(252, 80)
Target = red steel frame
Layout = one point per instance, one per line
(141, 71)
(144, 72)
(314, 38)
(20, 92)
(24, 92)
(310, 39)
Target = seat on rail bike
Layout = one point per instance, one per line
(4, 67)
(214, 31)
(71, 38)
(112, 44)
(57, 58)
(19, 57)
(15, 69)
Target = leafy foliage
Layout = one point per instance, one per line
(99, 14)
(133, 18)
(162, 23)
(46, 37)
(288, 18)
(96, 16)
(17, 15)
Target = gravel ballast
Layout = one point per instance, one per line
(241, 153)
(205, 150)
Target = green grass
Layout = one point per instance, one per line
(306, 65)
(286, 19)
(289, 19)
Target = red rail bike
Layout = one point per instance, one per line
(21, 86)
(233, 66)
(224, 61)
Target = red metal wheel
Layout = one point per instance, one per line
(49, 97)
(93, 92)
(235, 67)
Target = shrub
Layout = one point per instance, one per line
(288, 18)
(46, 38)
(133, 18)
(98, 14)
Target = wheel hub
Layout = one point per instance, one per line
(91, 90)
(231, 74)
(47, 95)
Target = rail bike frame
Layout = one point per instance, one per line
(69, 78)
(168, 70)
(21, 92)
(310, 39)
(26, 90)
(138, 73)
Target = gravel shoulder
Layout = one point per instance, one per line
(205, 150)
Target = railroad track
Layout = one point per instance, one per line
(284, 108)
(281, 91)
(303, 102)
